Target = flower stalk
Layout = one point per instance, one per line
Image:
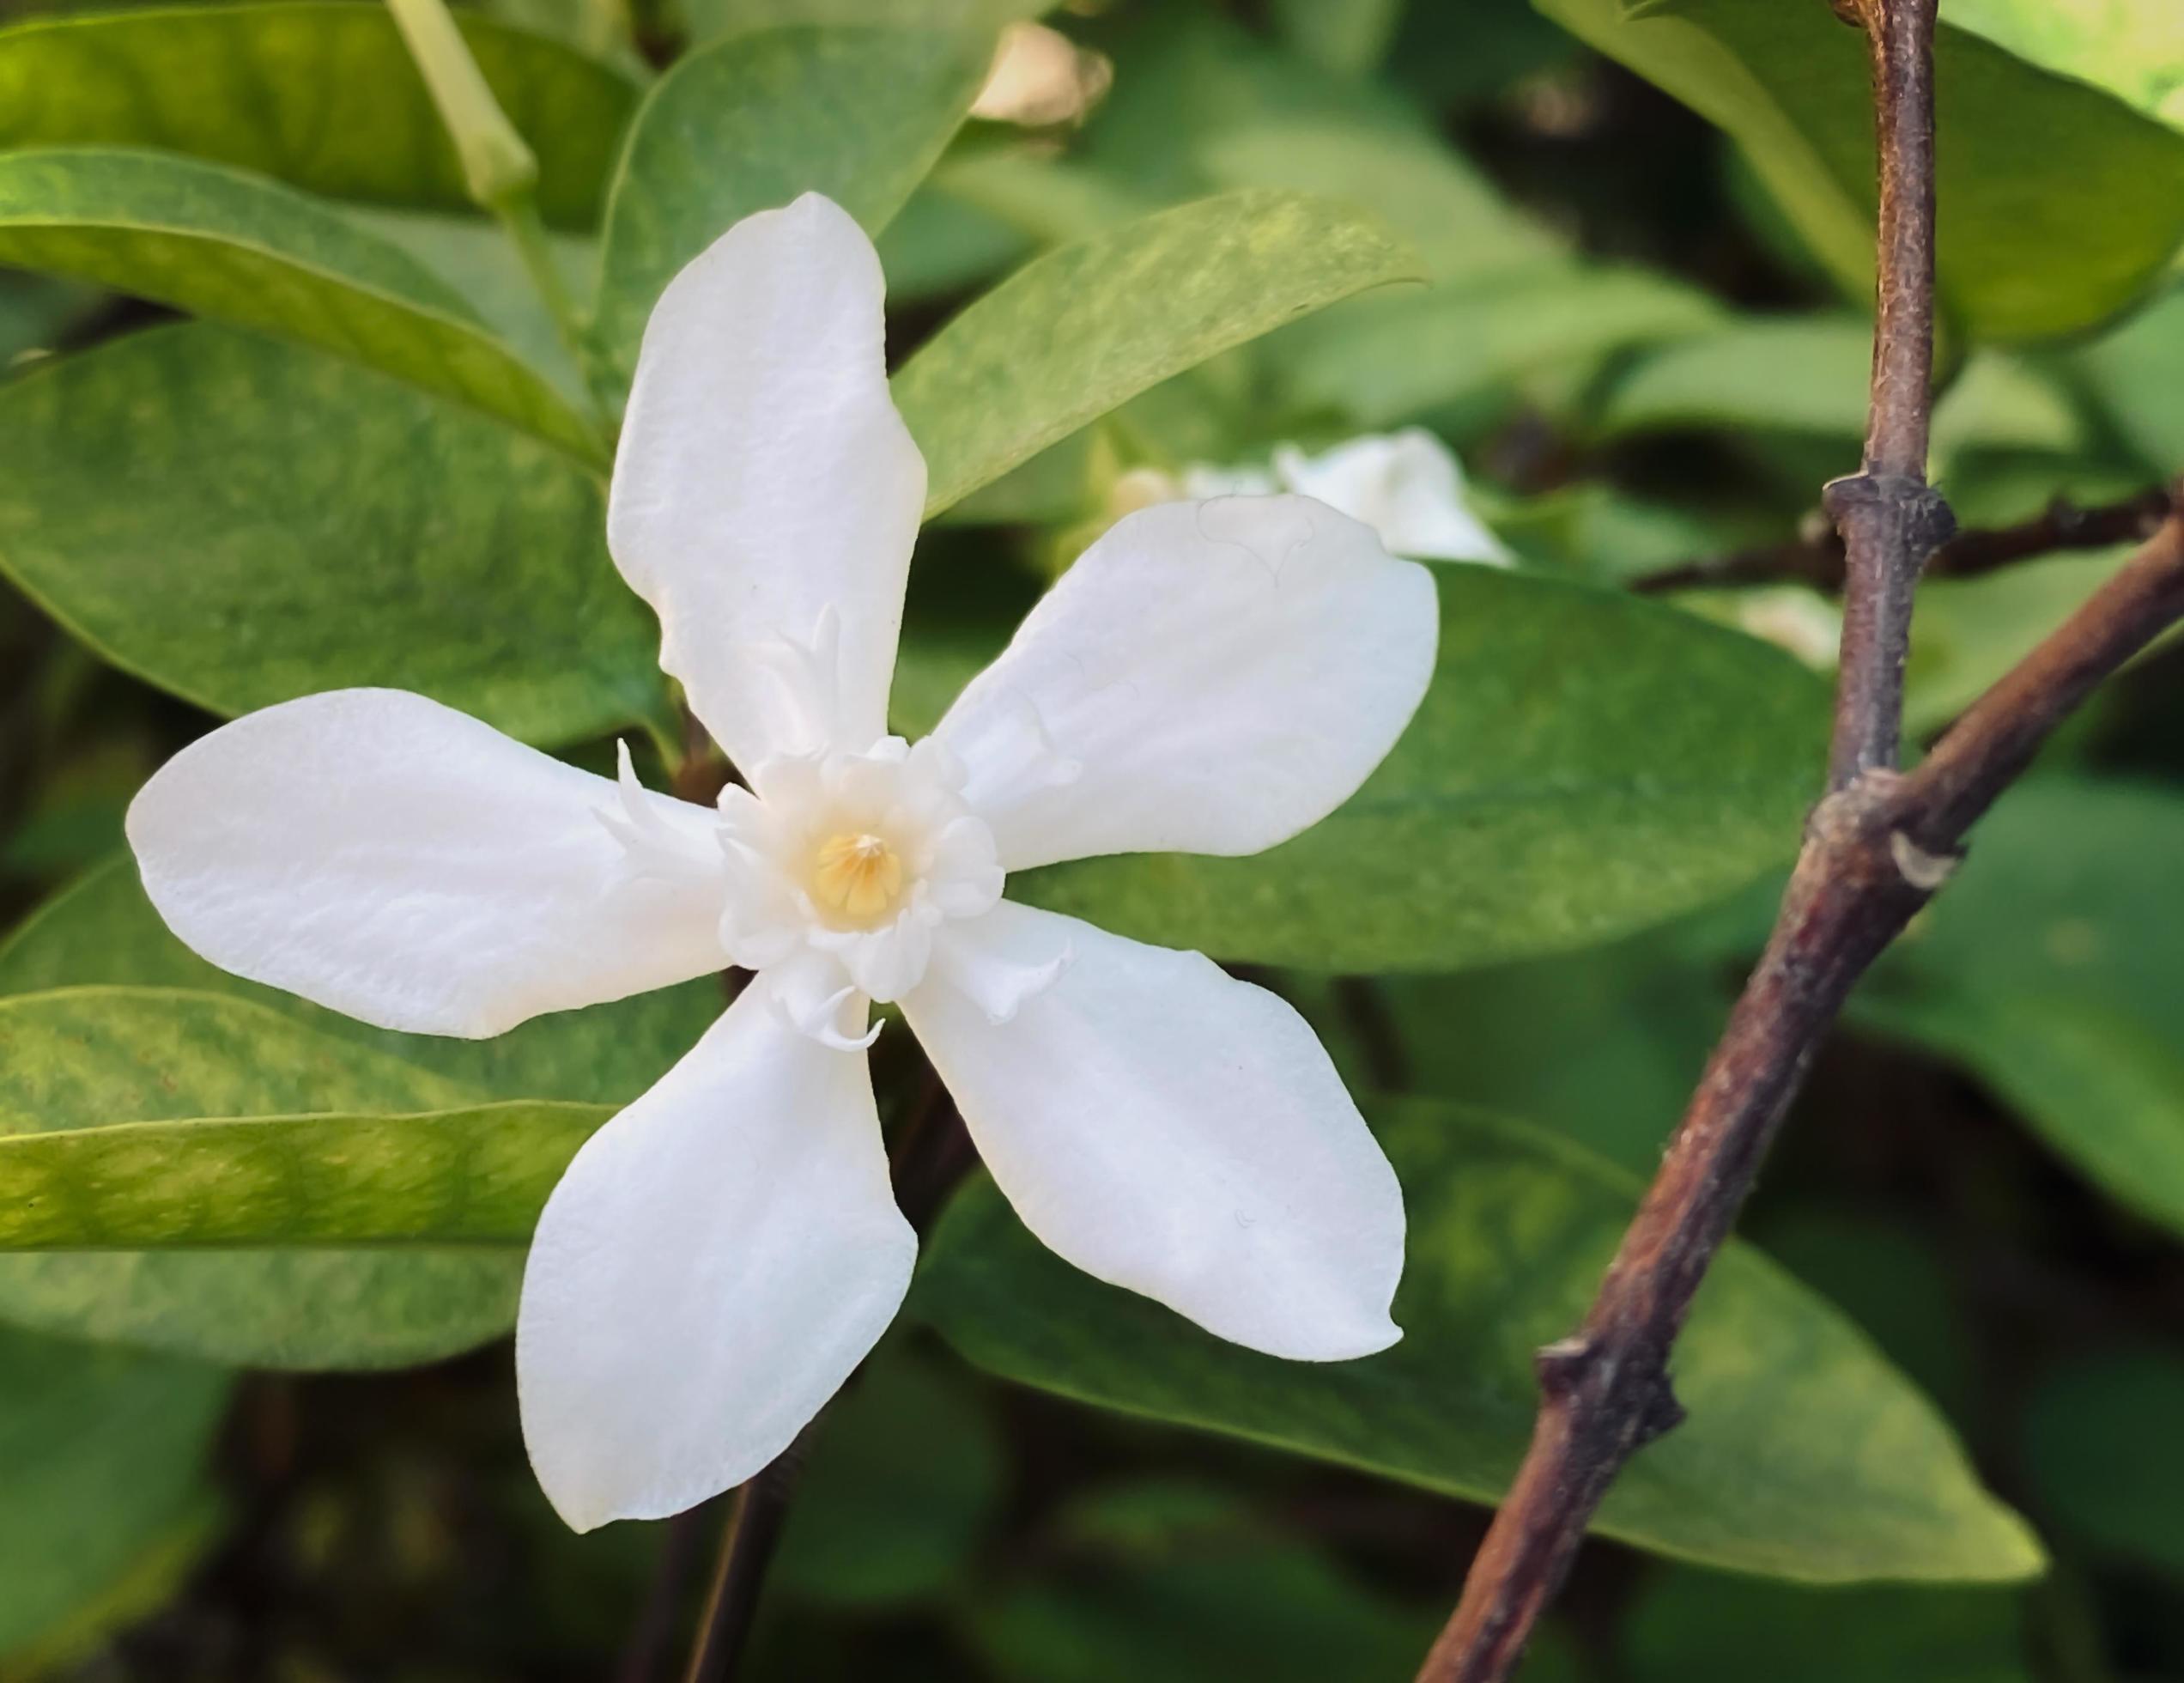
(500, 170)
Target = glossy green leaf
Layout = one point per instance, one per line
(753, 121)
(79, 1055)
(1585, 764)
(1703, 1627)
(1805, 1455)
(319, 94)
(1078, 330)
(101, 929)
(106, 1454)
(293, 523)
(479, 1174)
(1181, 1583)
(2025, 249)
(2101, 1451)
(2051, 969)
(224, 245)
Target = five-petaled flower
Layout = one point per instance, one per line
(1210, 678)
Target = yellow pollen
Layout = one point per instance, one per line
(857, 875)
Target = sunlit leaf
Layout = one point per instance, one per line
(160, 1054)
(1078, 331)
(224, 245)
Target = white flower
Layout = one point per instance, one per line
(1210, 677)
(1407, 486)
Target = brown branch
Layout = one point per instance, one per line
(1818, 560)
(1876, 849)
(1875, 852)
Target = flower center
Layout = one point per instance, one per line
(857, 874)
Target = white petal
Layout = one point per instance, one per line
(399, 861)
(1210, 678)
(714, 1264)
(1170, 1129)
(763, 477)
(1407, 486)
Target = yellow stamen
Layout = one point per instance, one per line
(859, 876)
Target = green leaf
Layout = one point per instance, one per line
(105, 1454)
(479, 1174)
(753, 121)
(1203, 104)
(293, 523)
(476, 257)
(1387, 360)
(2132, 48)
(1078, 331)
(2050, 969)
(1180, 1583)
(322, 95)
(227, 245)
(1603, 1045)
(1585, 764)
(2101, 1451)
(84, 1055)
(2026, 249)
(1786, 374)
(1691, 1624)
(101, 929)
(1805, 1455)
(893, 1509)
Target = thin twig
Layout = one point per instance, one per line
(1889, 519)
(1877, 848)
(754, 1525)
(1818, 560)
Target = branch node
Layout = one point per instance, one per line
(1660, 1414)
(1923, 871)
(1562, 1366)
(1928, 520)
